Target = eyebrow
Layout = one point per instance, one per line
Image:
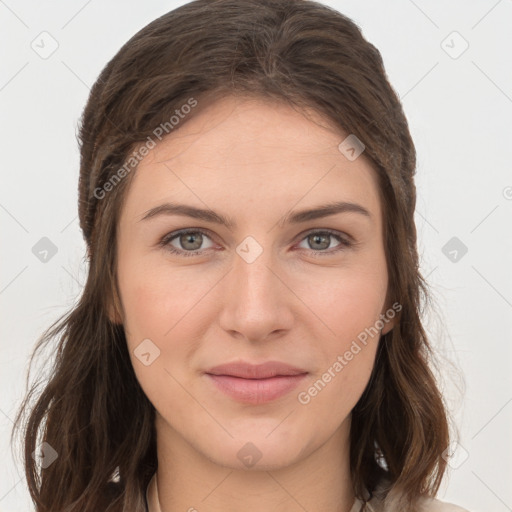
(291, 218)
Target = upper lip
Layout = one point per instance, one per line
(255, 371)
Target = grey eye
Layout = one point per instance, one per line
(320, 240)
(188, 241)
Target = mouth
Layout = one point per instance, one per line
(256, 384)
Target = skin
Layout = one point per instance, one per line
(253, 161)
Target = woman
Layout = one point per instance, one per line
(278, 362)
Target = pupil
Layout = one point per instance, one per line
(190, 239)
(318, 238)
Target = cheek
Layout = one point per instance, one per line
(156, 299)
(348, 304)
(168, 308)
(328, 399)
(344, 360)
(348, 310)
(156, 306)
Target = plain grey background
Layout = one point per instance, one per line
(449, 63)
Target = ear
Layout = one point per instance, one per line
(389, 316)
(388, 325)
(113, 315)
(114, 308)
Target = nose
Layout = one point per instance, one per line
(256, 301)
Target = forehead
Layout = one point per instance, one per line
(243, 127)
(251, 151)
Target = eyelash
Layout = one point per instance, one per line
(167, 239)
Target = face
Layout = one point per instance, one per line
(267, 286)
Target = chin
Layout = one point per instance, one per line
(255, 452)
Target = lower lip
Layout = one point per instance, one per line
(256, 391)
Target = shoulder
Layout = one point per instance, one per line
(435, 505)
(384, 503)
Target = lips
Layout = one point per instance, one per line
(256, 384)
(256, 371)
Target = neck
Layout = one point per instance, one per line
(187, 480)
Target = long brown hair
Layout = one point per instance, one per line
(92, 410)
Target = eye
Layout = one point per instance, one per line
(191, 240)
(322, 240)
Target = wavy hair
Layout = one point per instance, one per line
(91, 409)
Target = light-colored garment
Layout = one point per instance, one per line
(428, 504)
